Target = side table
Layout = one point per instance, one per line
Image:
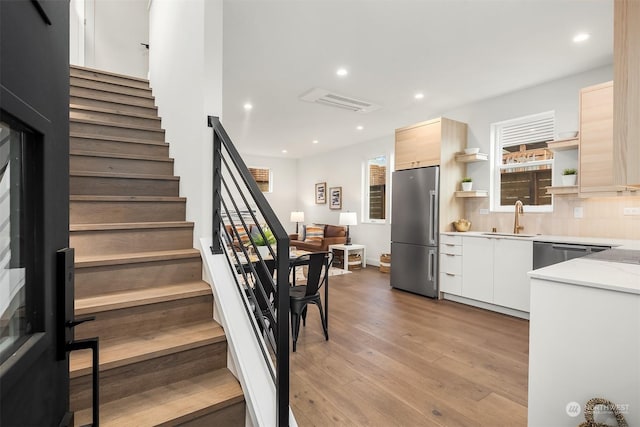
(346, 249)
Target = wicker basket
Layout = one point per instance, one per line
(354, 262)
(385, 263)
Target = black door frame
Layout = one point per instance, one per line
(34, 90)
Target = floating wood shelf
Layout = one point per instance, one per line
(569, 189)
(472, 193)
(564, 144)
(470, 158)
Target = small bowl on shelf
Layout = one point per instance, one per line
(567, 135)
(462, 225)
(473, 150)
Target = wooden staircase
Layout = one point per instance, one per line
(162, 356)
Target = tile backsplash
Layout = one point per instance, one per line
(602, 217)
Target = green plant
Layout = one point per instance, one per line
(467, 179)
(258, 240)
(570, 172)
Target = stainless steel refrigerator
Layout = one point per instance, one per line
(414, 231)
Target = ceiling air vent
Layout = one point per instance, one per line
(325, 97)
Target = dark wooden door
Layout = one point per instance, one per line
(34, 208)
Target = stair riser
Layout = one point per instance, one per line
(75, 72)
(109, 87)
(82, 163)
(105, 130)
(120, 108)
(103, 186)
(102, 146)
(109, 242)
(94, 281)
(110, 96)
(139, 377)
(98, 212)
(113, 118)
(147, 318)
(233, 415)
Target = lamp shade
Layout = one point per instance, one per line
(348, 218)
(297, 216)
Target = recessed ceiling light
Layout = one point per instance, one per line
(580, 37)
(342, 72)
(248, 106)
(284, 151)
(360, 127)
(419, 95)
(315, 141)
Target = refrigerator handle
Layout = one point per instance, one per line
(432, 264)
(432, 217)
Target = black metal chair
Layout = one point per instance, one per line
(300, 296)
(264, 300)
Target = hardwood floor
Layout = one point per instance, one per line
(398, 359)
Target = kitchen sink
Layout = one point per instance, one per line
(509, 235)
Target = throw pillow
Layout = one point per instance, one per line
(314, 234)
(303, 234)
(242, 234)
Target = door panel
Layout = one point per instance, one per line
(34, 97)
(415, 268)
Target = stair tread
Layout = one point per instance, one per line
(127, 299)
(113, 111)
(171, 404)
(97, 97)
(110, 73)
(117, 138)
(120, 156)
(123, 175)
(104, 90)
(116, 352)
(132, 258)
(84, 198)
(129, 225)
(115, 125)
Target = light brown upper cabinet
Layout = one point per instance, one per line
(428, 143)
(596, 138)
(418, 145)
(626, 75)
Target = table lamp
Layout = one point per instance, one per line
(297, 217)
(348, 218)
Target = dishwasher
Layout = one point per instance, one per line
(548, 253)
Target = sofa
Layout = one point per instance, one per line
(311, 241)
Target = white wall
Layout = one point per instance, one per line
(283, 198)
(113, 33)
(343, 168)
(185, 60)
(76, 32)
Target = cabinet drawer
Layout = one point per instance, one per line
(451, 249)
(451, 283)
(450, 264)
(451, 240)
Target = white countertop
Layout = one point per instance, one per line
(615, 276)
(604, 241)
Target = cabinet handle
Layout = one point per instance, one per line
(449, 274)
(450, 254)
(449, 244)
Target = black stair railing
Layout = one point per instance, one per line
(242, 217)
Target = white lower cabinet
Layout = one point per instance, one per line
(451, 264)
(512, 259)
(494, 270)
(477, 268)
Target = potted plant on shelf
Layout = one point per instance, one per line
(467, 184)
(569, 177)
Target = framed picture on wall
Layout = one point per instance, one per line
(321, 193)
(335, 198)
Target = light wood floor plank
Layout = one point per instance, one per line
(394, 358)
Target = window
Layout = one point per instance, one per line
(522, 164)
(263, 178)
(375, 198)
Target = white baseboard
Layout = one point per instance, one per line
(487, 306)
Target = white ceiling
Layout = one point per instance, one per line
(454, 51)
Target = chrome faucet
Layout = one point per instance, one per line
(519, 209)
